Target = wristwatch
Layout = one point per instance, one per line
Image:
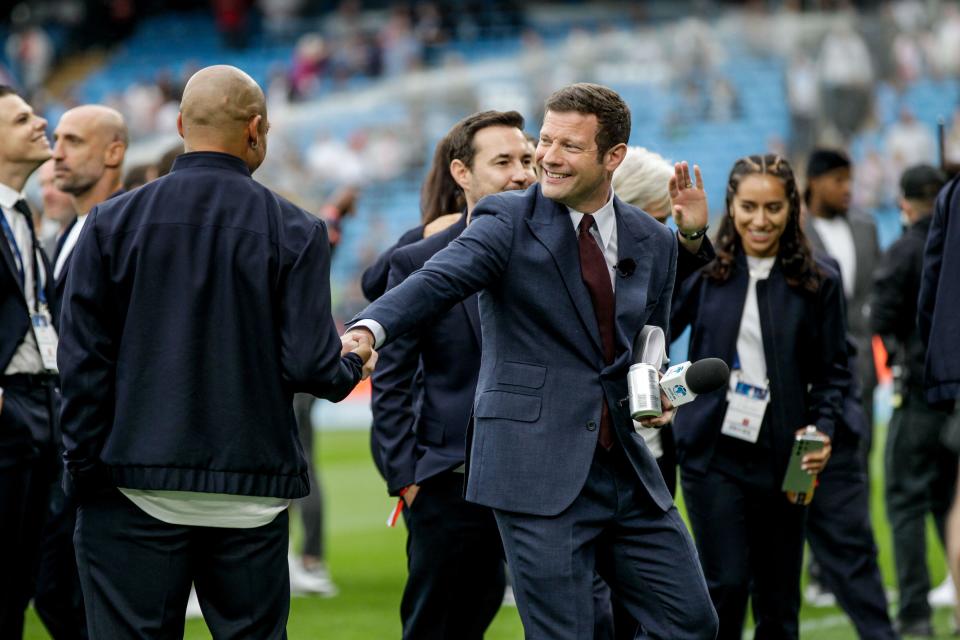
(696, 235)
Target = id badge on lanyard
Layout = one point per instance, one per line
(46, 337)
(42, 324)
(746, 406)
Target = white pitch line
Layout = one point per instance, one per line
(817, 624)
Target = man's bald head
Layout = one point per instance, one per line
(89, 145)
(223, 109)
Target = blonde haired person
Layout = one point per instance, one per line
(641, 180)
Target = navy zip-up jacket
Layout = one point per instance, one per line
(804, 342)
(195, 307)
(938, 309)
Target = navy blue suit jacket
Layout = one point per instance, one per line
(939, 303)
(542, 373)
(61, 282)
(804, 342)
(424, 433)
(195, 307)
(14, 315)
(373, 282)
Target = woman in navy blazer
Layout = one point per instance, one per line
(786, 335)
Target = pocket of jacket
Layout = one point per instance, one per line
(508, 406)
(522, 374)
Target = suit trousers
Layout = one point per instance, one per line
(456, 574)
(58, 598)
(27, 472)
(613, 528)
(624, 626)
(136, 573)
(751, 545)
(920, 474)
(841, 538)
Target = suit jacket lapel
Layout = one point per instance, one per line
(552, 227)
(9, 260)
(62, 240)
(631, 291)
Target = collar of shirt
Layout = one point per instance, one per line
(605, 218)
(9, 197)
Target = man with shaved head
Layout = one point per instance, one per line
(195, 307)
(89, 144)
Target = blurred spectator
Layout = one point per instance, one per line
(908, 142)
(29, 50)
(231, 16)
(943, 49)
(311, 58)
(908, 59)
(846, 79)
(335, 161)
(58, 211)
(803, 102)
(139, 175)
(402, 51)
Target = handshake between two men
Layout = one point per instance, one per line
(360, 342)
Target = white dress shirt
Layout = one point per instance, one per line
(26, 359)
(838, 241)
(753, 362)
(68, 244)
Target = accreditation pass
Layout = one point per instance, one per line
(46, 337)
(746, 405)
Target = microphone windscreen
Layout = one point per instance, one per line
(707, 375)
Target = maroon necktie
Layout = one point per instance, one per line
(596, 275)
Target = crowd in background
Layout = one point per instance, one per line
(838, 76)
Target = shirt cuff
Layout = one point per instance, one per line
(379, 335)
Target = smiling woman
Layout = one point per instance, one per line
(767, 307)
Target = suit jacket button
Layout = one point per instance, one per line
(591, 426)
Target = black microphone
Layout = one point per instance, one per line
(682, 383)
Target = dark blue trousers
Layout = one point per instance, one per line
(28, 460)
(58, 598)
(615, 529)
(750, 540)
(841, 537)
(136, 573)
(455, 564)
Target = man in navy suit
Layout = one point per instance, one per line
(89, 144)
(454, 556)
(196, 306)
(553, 450)
(28, 379)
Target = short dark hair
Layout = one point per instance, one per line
(440, 193)
(462, 134)
(7, 90)
(613, 114)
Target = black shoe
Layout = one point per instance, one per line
(915, 628)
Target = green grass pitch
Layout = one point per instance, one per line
(368, 563)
